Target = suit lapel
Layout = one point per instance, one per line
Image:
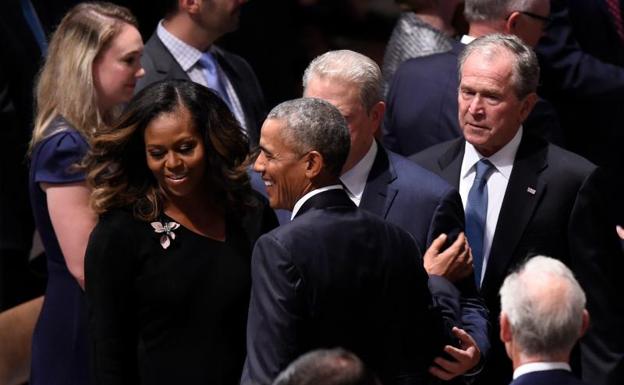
(523, 193)
(379, 194)
(450, 162)
(164, 62)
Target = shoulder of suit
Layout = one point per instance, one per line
(564, 162)
(413, 174)
(434, 152)
(439, 63)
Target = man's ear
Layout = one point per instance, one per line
(527, 105)
(377, 112)
(585, 324)
(511, 24)
(505, 328)
(313, 164)
(190, 6)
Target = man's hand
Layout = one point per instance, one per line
(465, 358)
(454, 263)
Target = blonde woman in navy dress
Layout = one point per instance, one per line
(92, 66)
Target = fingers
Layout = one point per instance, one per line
(441, 373)
(465, 338)
(438, 243)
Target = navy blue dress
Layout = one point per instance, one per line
(59, 349)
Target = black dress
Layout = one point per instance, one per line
(169, 315)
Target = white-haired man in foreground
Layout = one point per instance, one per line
(542, 317)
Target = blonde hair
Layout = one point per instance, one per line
(65, 86)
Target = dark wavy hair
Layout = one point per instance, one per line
(117, 167)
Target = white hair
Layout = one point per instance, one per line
(352, 67)
(544, 305)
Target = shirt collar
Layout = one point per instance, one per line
(466, 39)
(539, 367)
(355, 179)
(186, 55)
(502, 160)
(309, 195)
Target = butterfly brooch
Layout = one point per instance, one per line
(167, 232)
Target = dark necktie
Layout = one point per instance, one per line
(616, 14)
(476, 212)
(210, 71)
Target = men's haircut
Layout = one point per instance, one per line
(492, 10)
(327, 367)
(117, 167)
(525, 67)
(315, 125)
(352, 67)
(65, 85)
(544, 304)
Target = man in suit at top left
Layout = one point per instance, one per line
(335, 275)
(182, 47)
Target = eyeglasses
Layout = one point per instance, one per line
(543, 19)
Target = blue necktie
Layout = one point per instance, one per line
(35, 25)
(476, 211)
(210, 70)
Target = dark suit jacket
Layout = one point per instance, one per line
(159, 64)
(422, 105)
(548, 377)
(340, 276)
(424, 205)
(582, 62)
(566, 218)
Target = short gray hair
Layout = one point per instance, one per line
(352, 67)
(525, 67)
(326, 367)
(490, 10)
(315, 125)
(543, 324)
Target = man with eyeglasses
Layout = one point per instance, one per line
(422, 100)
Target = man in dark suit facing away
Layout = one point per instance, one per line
(538, 330)
(400, 191)
(335, 275)
(523, 196)
(182, 47)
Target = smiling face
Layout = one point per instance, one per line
(117, 68)
(345, 96)
(490, 113)
(175, 154)
(281, 168)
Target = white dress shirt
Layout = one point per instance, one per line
(503, 162)
(467, 39)
(310, 194)
(540, 367)
(188, 58)
(355, 179)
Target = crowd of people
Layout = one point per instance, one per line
(451, 216)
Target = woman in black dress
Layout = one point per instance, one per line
(168, 265)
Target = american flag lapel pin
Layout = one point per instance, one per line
(531, 190)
